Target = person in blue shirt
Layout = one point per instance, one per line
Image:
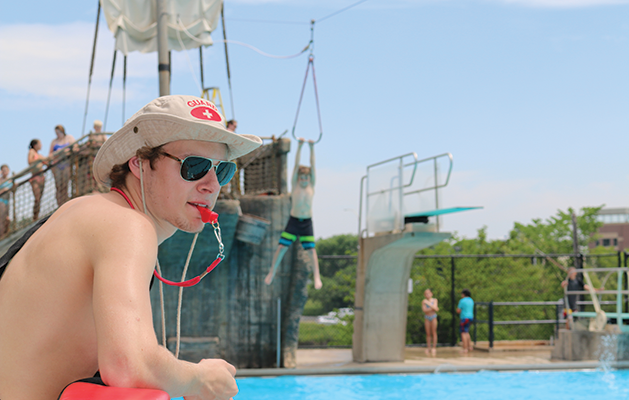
(466, 310)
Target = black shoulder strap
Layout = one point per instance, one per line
(15, 247)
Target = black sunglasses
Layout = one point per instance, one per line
(194, 168)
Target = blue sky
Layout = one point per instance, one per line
(530, 96)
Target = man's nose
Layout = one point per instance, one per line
(209, 182)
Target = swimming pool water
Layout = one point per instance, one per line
(590, 385)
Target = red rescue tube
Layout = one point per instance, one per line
(91, 391)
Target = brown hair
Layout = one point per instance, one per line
(303, 170)
(61, 128)
(119, 172)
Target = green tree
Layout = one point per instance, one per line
(508, 278)
(555, 234)
(337, 274)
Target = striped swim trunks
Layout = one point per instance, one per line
(298, 227)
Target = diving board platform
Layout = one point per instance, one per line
(395, 191)
(423, 215)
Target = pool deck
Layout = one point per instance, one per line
(448, 359)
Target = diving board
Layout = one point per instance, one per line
(423, 215)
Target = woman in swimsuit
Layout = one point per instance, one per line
(61, 168)
(38, 180)
(430, 307)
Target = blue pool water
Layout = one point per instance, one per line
(590, 385)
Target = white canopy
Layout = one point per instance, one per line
(133, 23)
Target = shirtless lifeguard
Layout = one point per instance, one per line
(300, 221)
(74, 299)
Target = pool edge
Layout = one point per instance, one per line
(399, 369)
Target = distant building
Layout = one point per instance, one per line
(615, 231)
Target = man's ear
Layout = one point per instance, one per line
(134, 166)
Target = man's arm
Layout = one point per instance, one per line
(312, 162)
(128, 352)
(300, 142)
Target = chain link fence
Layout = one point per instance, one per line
(525, 291)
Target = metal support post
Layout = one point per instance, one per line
(557, 320)
(491, 324)
(163, 55)
(474, 322)
(279, 332)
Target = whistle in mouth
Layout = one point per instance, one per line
(207, 215)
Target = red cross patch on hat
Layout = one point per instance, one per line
(205, 113)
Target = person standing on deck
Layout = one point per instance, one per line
(300, 220)
(61, 169)
(430, 307)
(38, 180)
(466, 310)
(74, 298)
(573, 282)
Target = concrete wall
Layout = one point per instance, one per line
(381, 301)
(580, 345)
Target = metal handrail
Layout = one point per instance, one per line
(491, 322)
(403, 166)
(365, 192)
(449, 155)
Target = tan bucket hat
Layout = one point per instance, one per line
(167, 119)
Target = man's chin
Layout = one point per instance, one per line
(193, 229)
(194, 226)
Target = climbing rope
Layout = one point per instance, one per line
(314, 81)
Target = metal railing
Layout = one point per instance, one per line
(397, 185)
(532, 312)
(41, 188)
(37, 191)
(491, 322)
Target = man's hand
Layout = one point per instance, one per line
(217, 381)
(269, 278)
(564, 284)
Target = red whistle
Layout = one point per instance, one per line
(207, 215)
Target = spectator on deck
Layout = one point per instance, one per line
(85, 182)
(38, 179)
(573, 282)
(61, 168)
(430, 307)
(466, 310)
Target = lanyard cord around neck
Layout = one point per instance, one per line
(193, 281)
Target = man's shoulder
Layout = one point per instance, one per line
(98, 216)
